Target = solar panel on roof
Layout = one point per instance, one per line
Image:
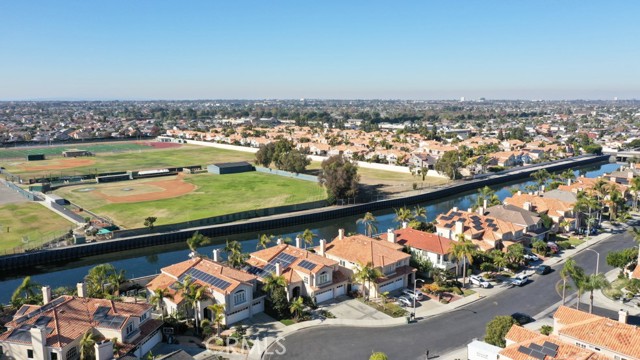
(42, 309)
(22, 310)
(285, 259)
(207, 278)
(548, 351)
(43, 320)
(537, 354)
(305, 264)
(524, 350)
(535, 347)
(448, 226)
(550, 345)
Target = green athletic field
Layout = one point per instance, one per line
(28, 219)
(215, 195)
(22, 152)
(132, 160)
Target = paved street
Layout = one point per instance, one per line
(447, 332)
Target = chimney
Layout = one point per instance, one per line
(298, 242)
(569, 182)
(527, 206)
(485, 205)
(278, 269)
(622, 316)
(469, 210)
(541, 189)
(459, 227)
(480, 210)
(519, 192)
(104, 350)
(455, 208)
(39, 342)
(323, 247)
(216, 253)
(391, 236)
(340, 234)
(82, 290)
(279, 241)
(405, 224)
(46, 294)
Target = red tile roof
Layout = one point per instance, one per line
(363, 249)
(421, 240)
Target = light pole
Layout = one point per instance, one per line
(597, 260)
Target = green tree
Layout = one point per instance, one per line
(149, 221)
(97, 279)
(378, 356)
(27, 288)
(540, 247)
(193, 296)
(116, 279)
(370, 224)
(293, 161)
(87, 343)
(296, 307)
(157, 299)
(307, 236)
(515, 254)
(217, 316)
(340, 177)
(264, 155)
(450, 163)
(541, 176)
(197, 240)
(635, 190)
(235, 257)
(497, 329)
(264, 241)
(620, 259)
(276, 287)
(365, 274)
(594, 282)
(463, 250)
(565, 274)
(403, 215)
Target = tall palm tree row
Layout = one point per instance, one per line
(370, 224)
(365, 274)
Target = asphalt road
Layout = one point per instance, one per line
(446, 332)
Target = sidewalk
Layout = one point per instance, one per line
(270, 331)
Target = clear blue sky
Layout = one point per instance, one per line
(319, 49)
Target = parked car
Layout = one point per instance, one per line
(413, 293)
(543, 269)
(403, 301)
(553, 247)
(522, 319)
(479, 281)
(520, 280)
(531, 257)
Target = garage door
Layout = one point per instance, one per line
(340, 290)
(258, 307)
(324, 296)
(395, 285)
(237, 316)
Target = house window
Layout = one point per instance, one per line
(323, 277)
(72, 353)
(306, 280)
(29, 354)
(343, 263)
(580, 345)
(54, 356)
(239, 297)
(129, 328)
(143, 317)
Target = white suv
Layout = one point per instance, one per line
(413, 294)
(519, 280)
(479, 281)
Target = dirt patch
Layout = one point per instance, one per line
(166, 189)
(161, 145)
(60, 164)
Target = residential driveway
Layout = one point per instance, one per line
(348, 308)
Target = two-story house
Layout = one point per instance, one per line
(353, 252)
(534, 228)
(53, 331)
(235, 289)
(422, 244)
(554, 204)
(306, 273)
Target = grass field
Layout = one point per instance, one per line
(136, 160)
(214, 195)
(22, 152)
(22, 218)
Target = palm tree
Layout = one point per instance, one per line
(541, 176)
(565, 274)
(577, 275)
(264, 241)
(403, 215)
(420, 212)
(235, 257)
(615, 199)
(157, 299)
(636, 233)
(585, 203)
(568, 175)
(307, 236)
(296, 307)
(365, 274)
(499, 260)
(595, 282)
(463, 250)
(194, 295)
(197, 240)
(217, 315)
(370, 224)
(27, 288)
(272, 282)
(87, 344)
(635, 188)
(116, 279)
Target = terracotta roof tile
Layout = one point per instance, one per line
(421, 240)
(363, 249)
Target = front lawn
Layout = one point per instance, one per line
(390, 308)
(615, 291)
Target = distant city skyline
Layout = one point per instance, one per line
(422, 50)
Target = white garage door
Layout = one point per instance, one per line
(258, 307)
(395, 285)
(340, 290)
(237, 316)
(324, 296)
